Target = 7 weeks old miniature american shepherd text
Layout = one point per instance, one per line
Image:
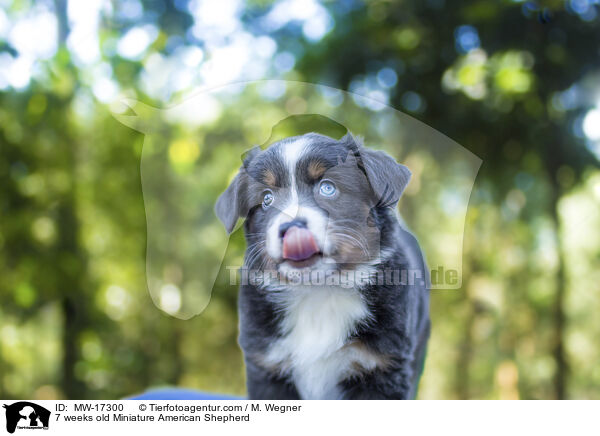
(337, 305)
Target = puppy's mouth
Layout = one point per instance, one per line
(300, 249)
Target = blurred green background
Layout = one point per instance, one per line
(516, 83)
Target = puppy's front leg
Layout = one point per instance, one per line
(379, 385)
(264, 385)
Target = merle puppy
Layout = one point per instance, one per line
(335, 304)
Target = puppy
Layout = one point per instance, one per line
(334, 301)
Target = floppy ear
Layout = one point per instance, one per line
(229, 206)
(387, 177)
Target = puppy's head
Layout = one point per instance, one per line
(311, 201)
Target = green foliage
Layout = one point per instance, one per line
(77, 319)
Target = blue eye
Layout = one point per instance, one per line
(327, 188)
(267, 200)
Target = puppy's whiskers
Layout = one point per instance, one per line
(345, 235)
(254, 252)
(341, 228)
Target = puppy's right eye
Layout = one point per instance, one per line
(267, 200)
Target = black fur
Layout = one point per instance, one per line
(398, 328)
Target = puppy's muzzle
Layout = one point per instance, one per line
(298, 242)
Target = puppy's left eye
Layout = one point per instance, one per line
(267, 199)
(327, 188)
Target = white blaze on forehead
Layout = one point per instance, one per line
(292, 152)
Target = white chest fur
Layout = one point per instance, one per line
(314, 349)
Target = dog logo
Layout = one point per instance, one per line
(191, 153)
(26, 415)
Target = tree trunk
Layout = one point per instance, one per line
(462, 385)
(73, 271)
(558, 313)
(72, 387)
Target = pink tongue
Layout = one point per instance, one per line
(298, 244)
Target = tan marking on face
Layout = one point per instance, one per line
(316, 169)
(269, 177)
(355, 244)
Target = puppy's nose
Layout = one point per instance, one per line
(298, 222)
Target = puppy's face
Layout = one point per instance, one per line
(309, 202)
